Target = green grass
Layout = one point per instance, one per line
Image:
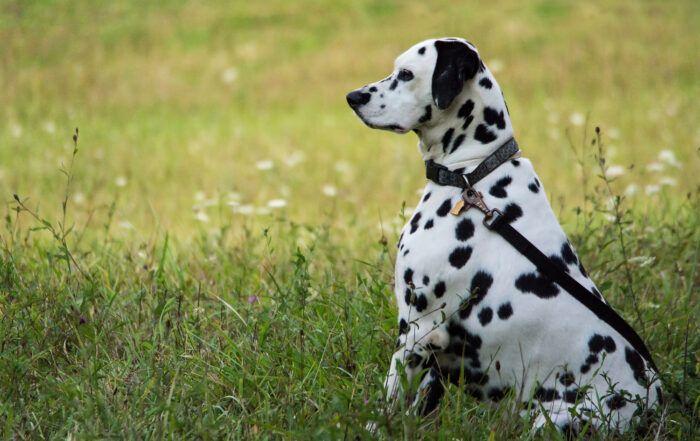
(157, 306)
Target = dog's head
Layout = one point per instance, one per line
(426, 80)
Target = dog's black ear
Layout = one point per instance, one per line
(456, 63)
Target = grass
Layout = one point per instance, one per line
(153, 291)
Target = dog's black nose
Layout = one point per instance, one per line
(357, 98)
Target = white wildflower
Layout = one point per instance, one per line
(615, 170)
(651, 189)
(16, 130)
(495, 65)
(262, 211)
(78, 198)
(577, 119)
(655, 166)
(200, 196)
(614, 133)
(201, 216)
(667, 180)
(229, 75)
(343, 167)
(264, 165)
(293, 159)
(244, 209)
(631, 189)
(329, 190)
(49, 127)
(126, 225)
(669, 157)
(120, 181)
(233, 203)
(277, 203)
(642, 260)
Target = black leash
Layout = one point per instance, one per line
(495, 221)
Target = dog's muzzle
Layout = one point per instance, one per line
(357, 98)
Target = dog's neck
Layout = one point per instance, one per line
(481, 137)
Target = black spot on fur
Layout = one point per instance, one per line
(439, 289)
(496, 393)
(505, 311)
(481, 282)
(446, 138)
(515, 162)
(568, 254)
(406, 252)
(559, 263)
(598, 343)
(486, 83)
(537, 284)
(408, 296)
(533, 188)
(485, 316)
(546, 394)
(414, 222)
(426, 280)
(592, 359)
(615, 402)
(466, 112)
(483, 134)
(372, 89)
(512, 212)
(585, 368)
(445, 208)
(468, 120)
(567, 379)
(403, 327)
(427, 115)
(431, 396)
(460, 256)
(585, 274)
(408, 276)
(466, 109)
(427, 196)
(393, 85)
(421, 303)
(465, 229)
(463, 343)
(494, 117)
(414, 360)
(458, 142)
(574, 395)
(398, 244)
(421, 51)
(499, 188)
(659, 395)
(634, 360)
(428, 225)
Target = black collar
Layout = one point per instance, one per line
(442, 176)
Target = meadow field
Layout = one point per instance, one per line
(211, 255)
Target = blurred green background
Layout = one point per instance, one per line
(195, 113)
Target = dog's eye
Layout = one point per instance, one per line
(405, 75)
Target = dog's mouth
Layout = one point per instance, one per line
(390, 127)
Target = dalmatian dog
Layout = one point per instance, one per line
(472, 310)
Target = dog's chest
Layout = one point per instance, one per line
(439, 253)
